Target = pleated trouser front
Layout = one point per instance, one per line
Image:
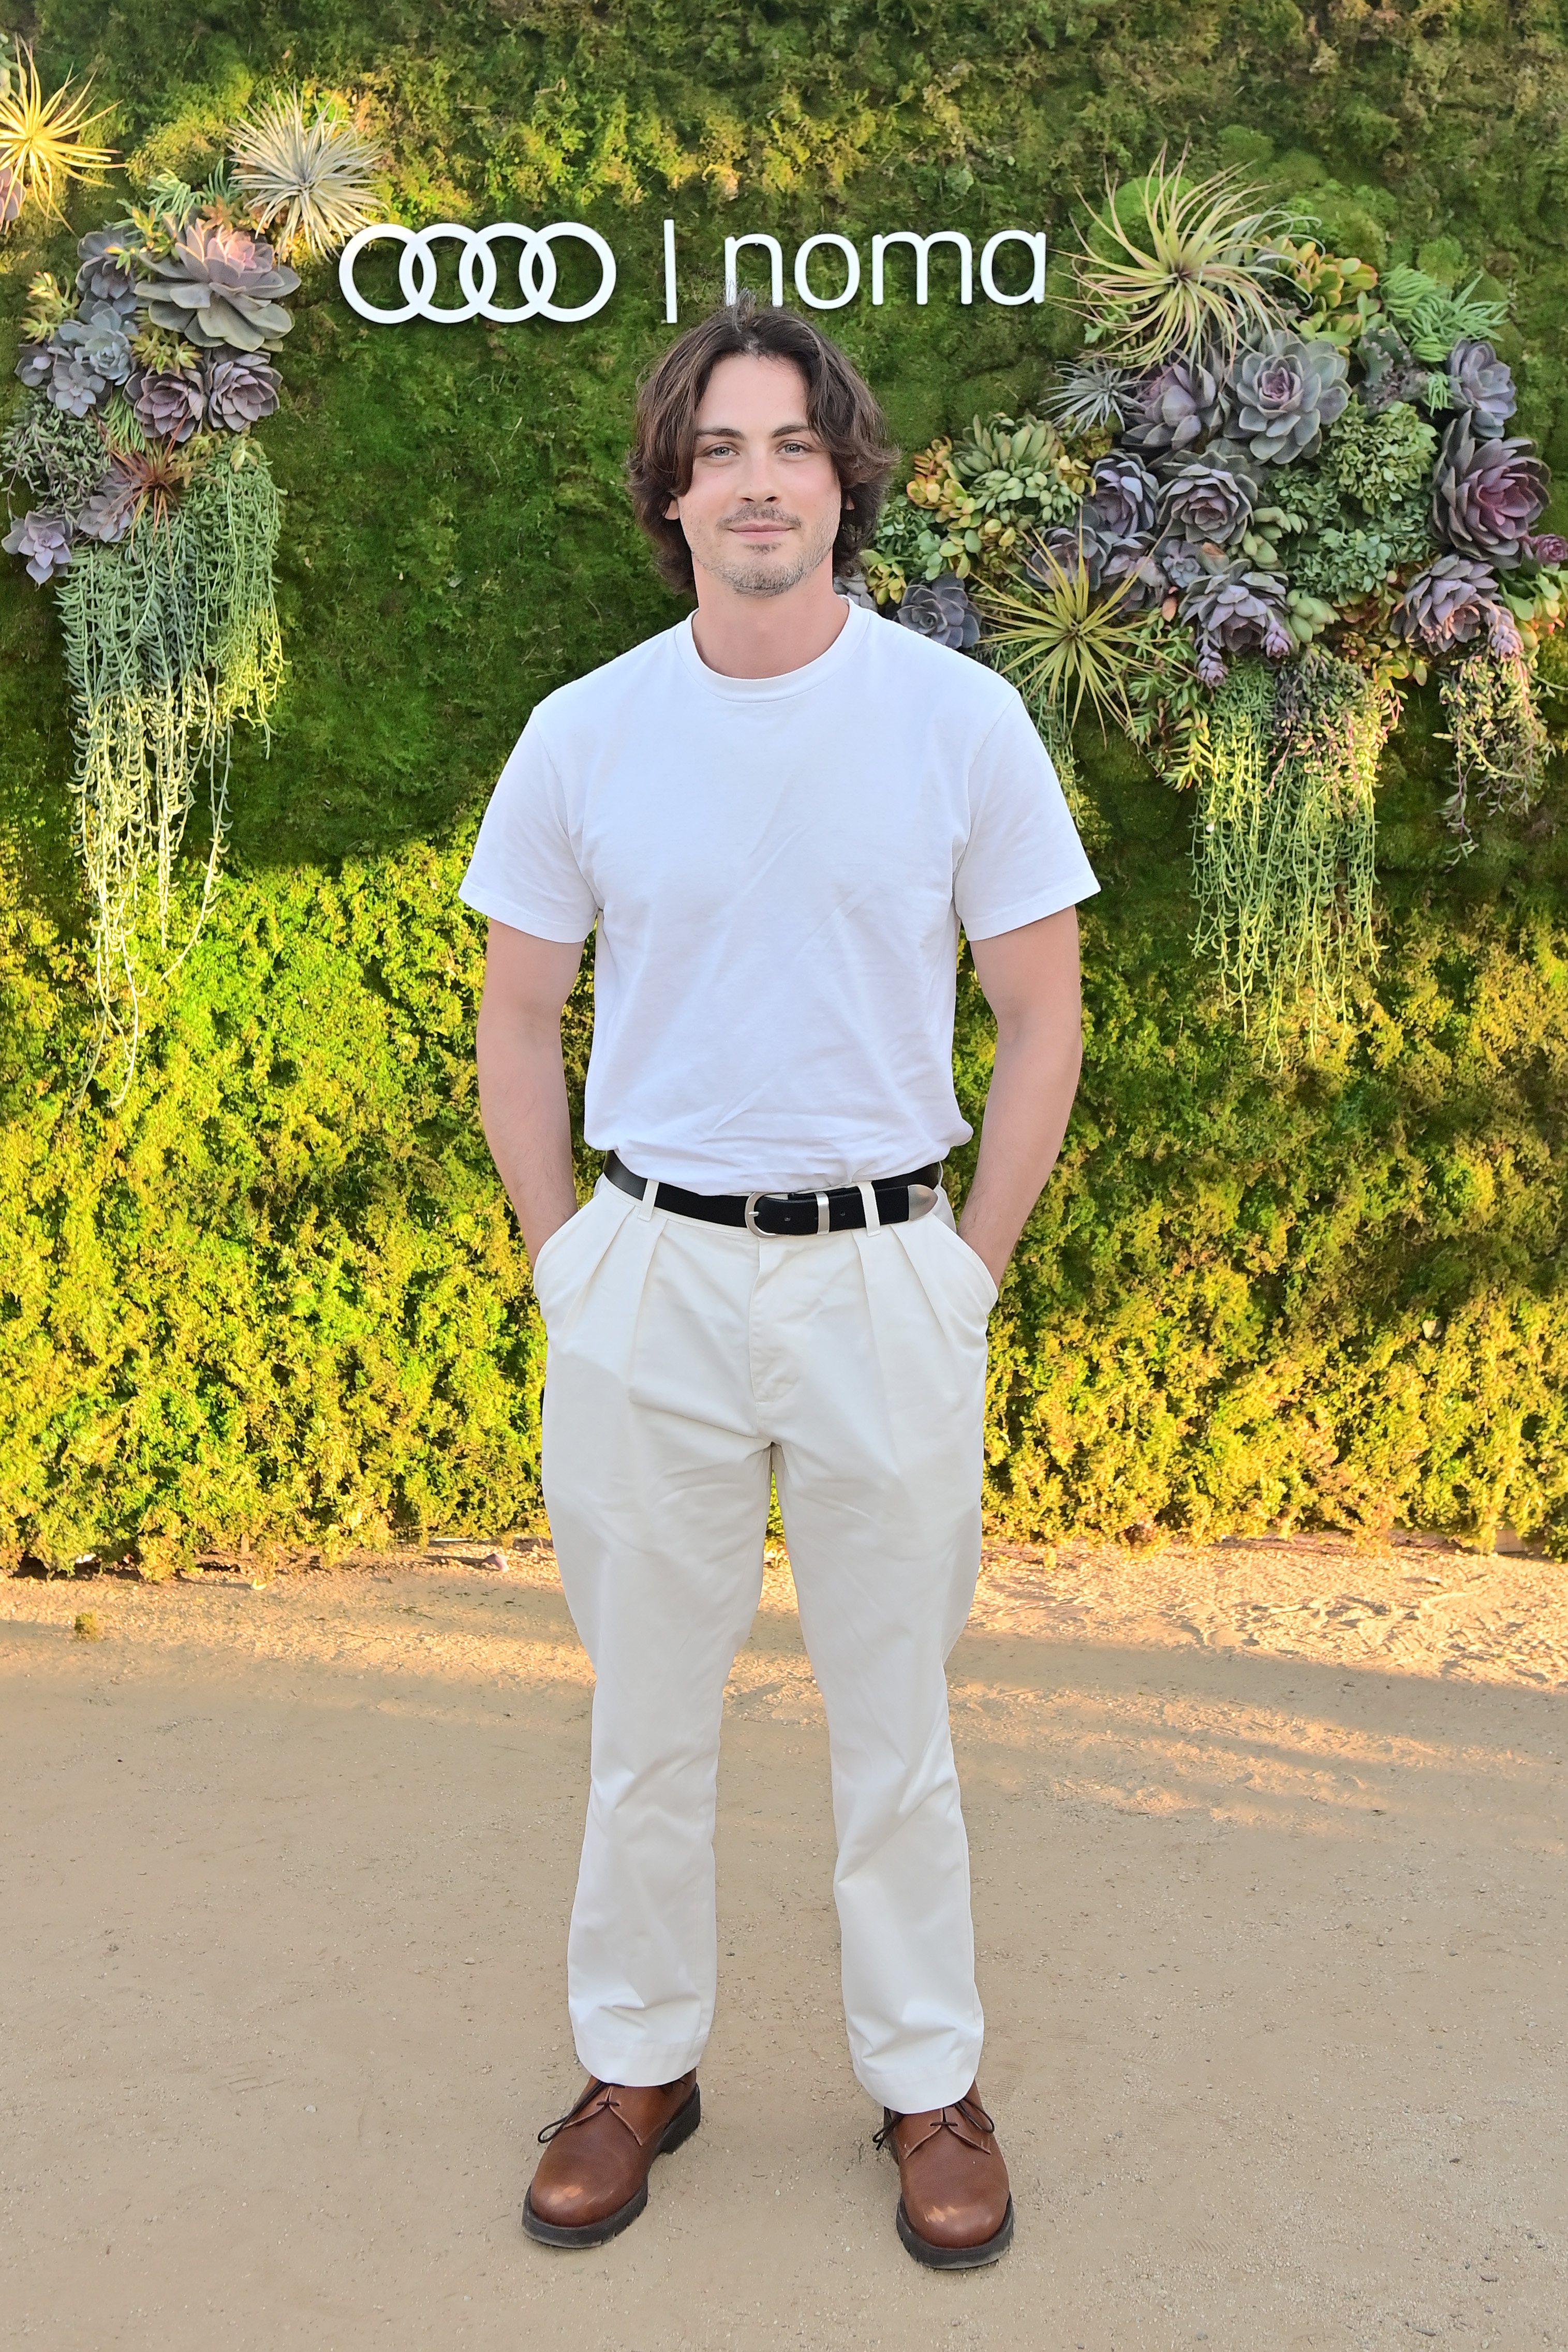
(687, 1363)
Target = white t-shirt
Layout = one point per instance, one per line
(778, 868)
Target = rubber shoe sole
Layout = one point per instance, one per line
(955, 2258)
(680, 2129)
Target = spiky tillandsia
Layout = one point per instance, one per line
(310, 184)
(1057, 641)
(42, 140)
(1193, 270)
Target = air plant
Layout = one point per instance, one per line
(309, 183)
(42, 141)
(1195, 271)
(1060, 642)
(1092, 395)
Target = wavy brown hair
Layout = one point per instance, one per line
(840, 408)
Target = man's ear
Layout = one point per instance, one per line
(672, 511)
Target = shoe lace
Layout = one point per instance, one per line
(596, 2093)
(970, 2110)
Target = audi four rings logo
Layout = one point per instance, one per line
(479, 271)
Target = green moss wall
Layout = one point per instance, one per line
(278, 1293)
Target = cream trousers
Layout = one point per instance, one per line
(686, 1363)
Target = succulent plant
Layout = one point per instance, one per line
(854, 587)
(240, 393)
(1090, 393)
(1377, 456)
(1176, 405)
(1433, 318)
(168, 401)
(309, 182)
(1205, 503)
(43, 540)
(49, 306)
(73, 379)
(1482, 383)
(1045, 554)
(220, 289)
(1123, 496)
(939, 609)
(1282, 391)
(1233, 610)
(1391, 370)
(1547, 547)
(104, 343)
(107, 273)
(110, 510)
(1453, 602)
(1487, 494)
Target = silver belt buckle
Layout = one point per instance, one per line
(823, 1214)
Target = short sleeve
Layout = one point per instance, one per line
(524, 870)
(1023, 858)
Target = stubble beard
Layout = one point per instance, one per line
(772, 573)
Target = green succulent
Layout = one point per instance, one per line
(1375, 456)
(49, 306)
(910, 545)
(1432, 319)
(1353, 559)
(1009, 466)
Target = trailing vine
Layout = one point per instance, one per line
(169, 637)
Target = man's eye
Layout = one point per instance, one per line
(720, 449)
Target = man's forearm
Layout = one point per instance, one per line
(522, 1100)
(1032, 1088)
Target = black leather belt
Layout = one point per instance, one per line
(898, 1198)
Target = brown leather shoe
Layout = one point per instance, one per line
(956, 2210)
(591, 2180)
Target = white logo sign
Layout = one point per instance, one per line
(476, 273)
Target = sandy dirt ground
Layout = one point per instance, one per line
(1270, 1856)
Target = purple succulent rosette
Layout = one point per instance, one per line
(1452, 602)
(108, 274)
(1176, 405)
(240, 391)
(1547, 547)
(1233, 610)
(1481, 384)
(1067, 545)
(1486, 495)
(1207, 504)
(112, 510)
(939, 609)
(1123, 495)
(168, 401)
(44, 540)
(220, 289)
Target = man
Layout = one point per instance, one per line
(778, 813)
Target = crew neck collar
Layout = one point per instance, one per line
(790, 681)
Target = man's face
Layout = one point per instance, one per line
(764, 504)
